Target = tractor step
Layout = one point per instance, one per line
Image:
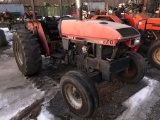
(57, 55)
(57, 59)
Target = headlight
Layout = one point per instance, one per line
(135, 41)
(140, 23)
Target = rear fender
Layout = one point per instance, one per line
(141, 24)
(41, 36)
(140, 21)
(129, 18)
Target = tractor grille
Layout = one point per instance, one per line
(125, 32)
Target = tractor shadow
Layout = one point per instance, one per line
(153, 73)
(111, 97)
(49, 76)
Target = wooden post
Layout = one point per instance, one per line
(106, 6)
(79, 9)
(61, 8)
(144, 6)
(33, 10)
(68, 2)
(158, 13)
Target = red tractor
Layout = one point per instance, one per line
(100, 49)
(5, 16)
(150, 33)
(29, 15)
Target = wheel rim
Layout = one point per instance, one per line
(73, 96)
(19, 54)
(156, 55)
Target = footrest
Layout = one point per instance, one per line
(57, 55)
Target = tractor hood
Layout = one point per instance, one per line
(97, 30)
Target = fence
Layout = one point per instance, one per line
(52, 11)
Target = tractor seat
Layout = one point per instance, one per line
(125, 21)
(50, 23)
(50, 27)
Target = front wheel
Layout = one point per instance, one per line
(154, 55)
(136, 70)
(79, 93)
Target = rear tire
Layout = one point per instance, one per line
(79, 93)
(154, 55)
(136, 70)
(3, 41)
(27, 52)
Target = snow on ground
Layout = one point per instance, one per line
(45, 114)
(140, 103)
(16, 92)
(8, 51)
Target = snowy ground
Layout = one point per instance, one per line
(16, 92)
(8, 34)
(141, 102)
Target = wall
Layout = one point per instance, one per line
(115, 3)
(12, 8)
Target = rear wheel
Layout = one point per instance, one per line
(154, 55)
(26, 52)
(135, 71)
(3, 41)
(79, 93)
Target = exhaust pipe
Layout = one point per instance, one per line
(79, 9)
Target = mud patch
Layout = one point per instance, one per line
(6, 51)
(153, 73)
(155, 109)
(111, 95)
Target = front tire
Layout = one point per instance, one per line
(3, 41)
(79, 93)
(27, 52)
(136, 70)
(154, 55)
